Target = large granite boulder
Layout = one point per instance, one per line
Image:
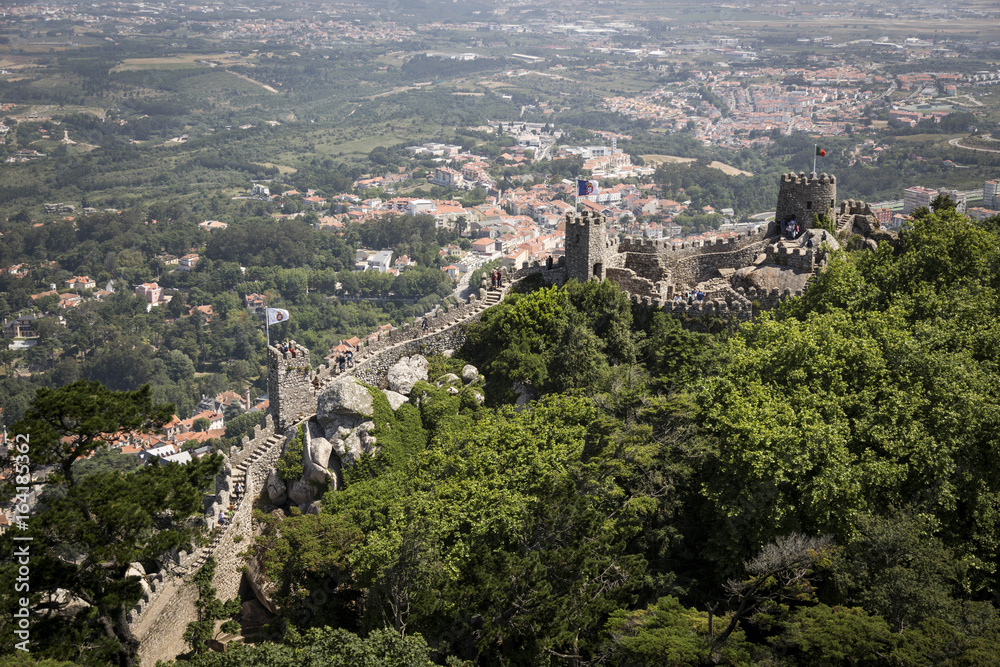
(407, 372)
(345, 398)
(301, 492)
(137, 570)
(353, 443)
(313, 472)
(395, 399)
(525, 395)
(276, 490)
(470, 373)
(446, 379)
(317, 448)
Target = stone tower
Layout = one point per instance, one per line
(587, 246)
(802, 197)
(289, 388)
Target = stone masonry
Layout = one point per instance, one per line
(757, 268)
(802, 197)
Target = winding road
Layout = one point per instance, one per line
(954, 142)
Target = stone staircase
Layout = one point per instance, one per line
(238, 475)
(493, 297)
(844, 223)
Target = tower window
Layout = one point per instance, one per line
(809, 205)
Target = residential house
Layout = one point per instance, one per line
(188, 262)
(486, 246)
(447, 177)
(151, 293)
(70, 300)
(380, 261)
(206, 311)
(22, 327)
(177, 426)
(418, 206)
(255, 303)
(404, 262)
(148, 454)
(81, 283)
(35, 297)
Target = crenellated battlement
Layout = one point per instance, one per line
(633, 244)
(801, 178)
(802, 198)
(851, 207)
(583, 218)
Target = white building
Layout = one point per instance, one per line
(380, 261)
(418, 206)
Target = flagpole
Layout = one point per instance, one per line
(815, 153)
(267, 328)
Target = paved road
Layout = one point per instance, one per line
(954, 142)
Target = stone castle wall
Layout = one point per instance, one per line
(802, 259)
(653, 269)
(162, 616)
(800, 197)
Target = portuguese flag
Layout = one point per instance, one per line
(820, 152)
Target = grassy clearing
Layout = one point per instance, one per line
(282, 168)
(729, 170)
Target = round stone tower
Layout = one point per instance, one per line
(586, 246)
(802, 197)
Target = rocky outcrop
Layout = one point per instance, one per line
(137, 570)
(351, 443)
(302, 492)
(470, 374)
(447, 378)
(276, 490)
(345, 398)
(395, 399)
(407, 372)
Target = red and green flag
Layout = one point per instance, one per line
(820, 152)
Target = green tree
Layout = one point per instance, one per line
(86, 540)
(896, 568)
(72, 422)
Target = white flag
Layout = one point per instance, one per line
(276, 315)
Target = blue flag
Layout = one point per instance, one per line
(584, 188)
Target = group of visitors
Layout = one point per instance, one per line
(496, 279)
(689, 297)
(226, 517)
(344, 360)
(287, 346)
(790, 229)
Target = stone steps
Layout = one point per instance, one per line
(844, 223)
(238, 474)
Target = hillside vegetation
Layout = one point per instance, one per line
(818, 486)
